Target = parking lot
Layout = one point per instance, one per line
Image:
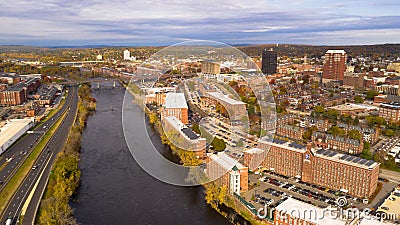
(274, 188)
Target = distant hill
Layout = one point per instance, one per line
(374, 51)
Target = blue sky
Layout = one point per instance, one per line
(164, 22)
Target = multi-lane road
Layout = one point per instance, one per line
(20, 150)
(43, 162)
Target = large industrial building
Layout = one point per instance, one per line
(184, 137)
(227, 171)
(350, 174)
(12, 130)
(175, 105)
(234, 108)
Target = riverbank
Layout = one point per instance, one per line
(217, 197)
(65, 175)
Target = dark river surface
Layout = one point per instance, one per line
(115, 189)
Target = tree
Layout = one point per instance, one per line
(371, 94)
(332, 115)
(218, 144)
(319, 109)
(366, 153)
(354, 134)
(390, 133)
(196, 128)
(337, 131)
(356, 121)
(358, 99)
(153, 117)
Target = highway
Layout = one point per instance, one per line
(43, 163)
(390, 175)
(22, 148)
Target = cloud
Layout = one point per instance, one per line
(157, 22)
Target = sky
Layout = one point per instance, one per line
(165, 22)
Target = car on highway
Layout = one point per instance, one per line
(9, 159)
(34, 167)
(9, 221)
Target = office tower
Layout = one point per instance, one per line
(269, 61)
(334, 66)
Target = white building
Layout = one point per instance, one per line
(13, 130)
(127, 55)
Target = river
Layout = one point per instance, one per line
(115, 189)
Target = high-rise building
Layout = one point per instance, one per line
(210, 69)
(127, 55)
(269, 61)
(334, 66)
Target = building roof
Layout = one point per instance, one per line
(11, 128)
(175, 100)
(225, 98)
(226, 161)
(336, 52)
(346, 159)
(285, 145)
(179, 126)
(308, 212)
(351, 106)
(392, 105)
(254, 151)
(327, 154)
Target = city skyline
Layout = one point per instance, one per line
(75, 23)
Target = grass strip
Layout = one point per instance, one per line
(17, 179)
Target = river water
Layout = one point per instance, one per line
(115, 189)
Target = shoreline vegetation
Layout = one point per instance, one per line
(216, 196)
(65, 174)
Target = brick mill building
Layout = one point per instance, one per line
(175, 105)
(330, 169)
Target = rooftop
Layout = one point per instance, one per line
(308, 212)
(225, 98)
(179, 126)
(327, 154)
(225, 161)
(11, 128)
(175, 100)
(336, 52)
(351, 106)
(393, 105)
(346, 159)
(254, 151)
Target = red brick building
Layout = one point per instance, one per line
(336, 171)
(175, 105)
(289, 131)
(390, 111)
(342, 144)
(334, 66)
(227, 171)
(183, 137)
